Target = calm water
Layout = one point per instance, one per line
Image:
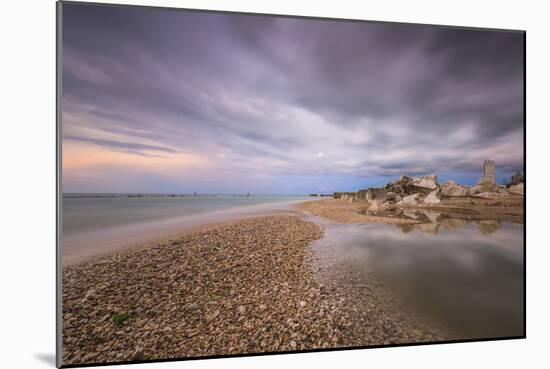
(96, 224)
(466, 275)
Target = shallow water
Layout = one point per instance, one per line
(94, 225)
(467, 276)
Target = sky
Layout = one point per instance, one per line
(159, 100)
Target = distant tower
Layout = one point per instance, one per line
(489, 171)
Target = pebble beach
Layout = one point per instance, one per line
(244, 286)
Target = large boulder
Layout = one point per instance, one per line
(376, 194)
(451, 188)
(516, 189)
(409, 200)
(361, 195)
(372, 195)
(432, 198)
(483, 185)
(402, 186)
(348, 196)
(425, 183)
(517, 179)
(392, 196)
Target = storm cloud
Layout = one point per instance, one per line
(239, 103)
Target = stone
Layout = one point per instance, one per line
(242, 309)
(376, 194)
(194, 306)
(393, 196)
(425, 182)
(483, 185)
(432, 198)
(402, 186)
(302, 303)
(374, 207)
(213, 316)
(517, 179)
(410, 200)
(451, 189)
(342, 195)
(488, 195)
(516, 189)
(293, 344)
(137, 354)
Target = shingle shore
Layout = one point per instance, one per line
(243, 287)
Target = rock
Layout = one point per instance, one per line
(373, 208)
(393, 196)
(451, 188)
(342, 195)
(302, 303)
(402, 186)
(90, 295)
(348, 196)
(242, 309)
(489, 195)
(213, 316)
(425, 182)
(372, 194)
(361, 195)
(517, 179)
(194, 306)
(137, 354)
(516, 189)
(293, 344)
(483, 185)
(263, 307)
(409, 200)
(432, 198)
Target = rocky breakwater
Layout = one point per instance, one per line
(485, 198)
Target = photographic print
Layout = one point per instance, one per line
(236, 184)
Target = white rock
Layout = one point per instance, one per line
(451, 188)
(432, 198)
(410, 200)
(429, 182)
(516, 189)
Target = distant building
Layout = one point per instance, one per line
(489, 171)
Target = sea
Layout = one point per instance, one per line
(96, 224)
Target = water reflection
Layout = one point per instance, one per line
(429, 221)
(466, 274)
